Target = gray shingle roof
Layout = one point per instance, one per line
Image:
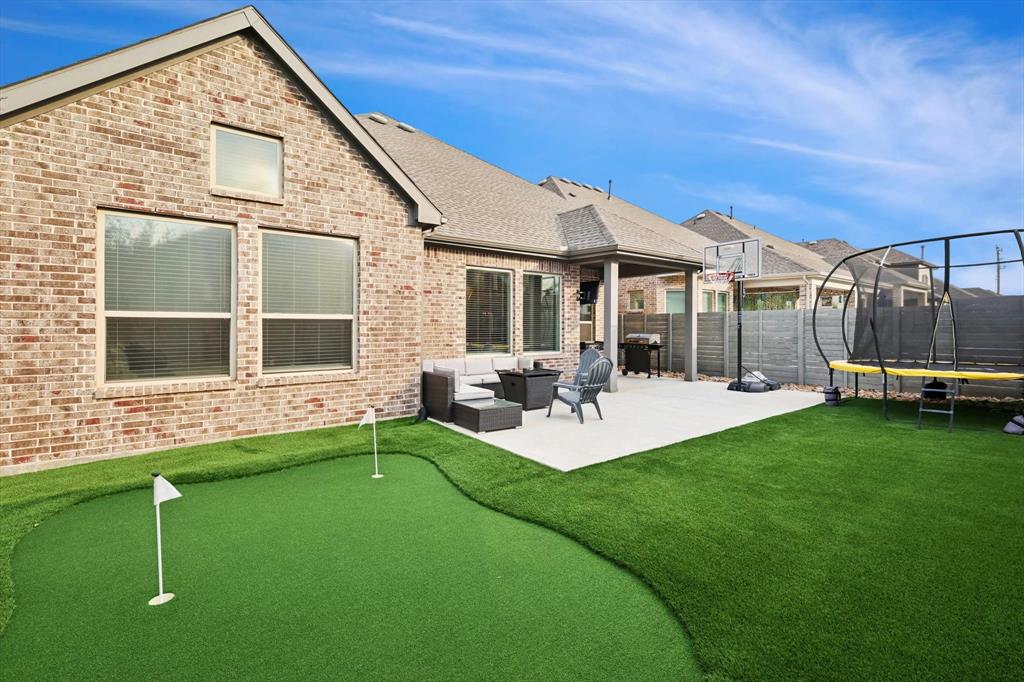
(638, 223)
(487, 206)
(834, 250)
(778, 256)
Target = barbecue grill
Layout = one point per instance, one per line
(637, 350)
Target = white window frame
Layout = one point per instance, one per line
(561, 310)
(214, 127)
(354, 315)
(629, 300)
(102, 313)
(511, 314)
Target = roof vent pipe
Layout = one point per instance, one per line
(609, 189)
(730, 212)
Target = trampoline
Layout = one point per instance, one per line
(918, 316)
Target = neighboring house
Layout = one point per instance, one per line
(907, 281)
(791, 274)
(663, 292)
(200, 242)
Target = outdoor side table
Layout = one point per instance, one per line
(487, 415)
(530, 388)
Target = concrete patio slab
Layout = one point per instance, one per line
(643, 414)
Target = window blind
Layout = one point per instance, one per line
(541, 312)
(488, 303)
(247, 162)
(167, 298)
(308, 302)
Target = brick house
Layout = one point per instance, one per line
(199, 242)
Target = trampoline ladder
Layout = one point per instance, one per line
(949, 393)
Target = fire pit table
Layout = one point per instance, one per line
(531, 388)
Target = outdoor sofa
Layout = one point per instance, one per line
(450, 379)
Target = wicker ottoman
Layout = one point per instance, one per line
(487, 415)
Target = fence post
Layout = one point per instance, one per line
(760, 339)
(800, 360)
(669, 330)
(725, 344)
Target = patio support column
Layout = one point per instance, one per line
(611, 319)
(690, 337)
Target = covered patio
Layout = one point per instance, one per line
(643, 414)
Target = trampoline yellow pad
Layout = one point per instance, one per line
(923, 372)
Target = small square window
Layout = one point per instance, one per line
(246, 162)
(636, 300)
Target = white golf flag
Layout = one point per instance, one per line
(369, 418)
(163, 490)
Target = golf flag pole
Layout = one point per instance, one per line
(370, 417)
(162, 491)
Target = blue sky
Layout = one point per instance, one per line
(873, 122)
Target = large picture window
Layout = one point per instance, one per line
(309, 285)
(167, 292)
(246, 162)
(542, 310)
(488, 311)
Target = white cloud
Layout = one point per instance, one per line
(929, 122)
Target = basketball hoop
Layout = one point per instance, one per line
(734, 262)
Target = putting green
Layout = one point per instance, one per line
(321, 572)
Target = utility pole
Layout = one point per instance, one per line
(999, 266)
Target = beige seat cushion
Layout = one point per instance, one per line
(504, 363)
(476, 379)
(466, 392)
(476, 366)
(458, 364)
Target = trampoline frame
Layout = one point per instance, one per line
(926, 372)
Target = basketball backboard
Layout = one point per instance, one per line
(732, 260)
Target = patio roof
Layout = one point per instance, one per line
(643, 414)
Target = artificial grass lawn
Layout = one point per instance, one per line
(824, 543)
(319, 572)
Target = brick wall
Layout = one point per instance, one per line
(444, 301)
(144, 145)
(654, 288)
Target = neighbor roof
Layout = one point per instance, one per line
(778, 256)
(26, 96)
(488, 207)
(834, 250)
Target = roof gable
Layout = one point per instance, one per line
(779, 256)
(27, 95)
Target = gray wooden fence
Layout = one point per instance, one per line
(779, 343)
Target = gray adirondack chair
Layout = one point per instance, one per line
(586, 393)
(587, 360)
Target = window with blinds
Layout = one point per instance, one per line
(247, 162)
(167, 290)
(309, 284)
(542, 308)
(488, 311)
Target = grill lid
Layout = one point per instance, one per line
(644, 338)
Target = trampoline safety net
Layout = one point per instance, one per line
(949, 304)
